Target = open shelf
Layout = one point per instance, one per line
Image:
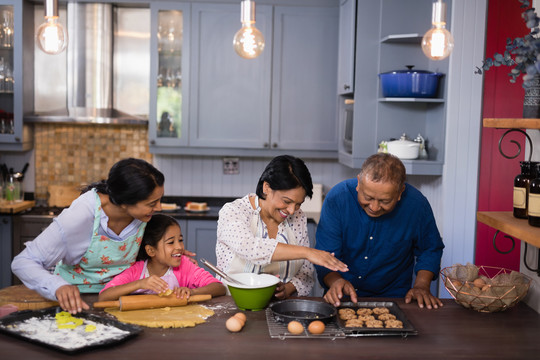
(512, 123)
(403, 38)
(410, 99)
(506, 222)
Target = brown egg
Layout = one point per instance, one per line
(241, 316)
(479, 283)
(316, 327)
(234, 324)
(295, 327)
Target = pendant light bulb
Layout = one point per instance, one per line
(248, 42)
(51, 36)
(438, 43)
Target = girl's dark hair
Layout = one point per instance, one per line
(154, 232)
(130, 181)
(285, 172)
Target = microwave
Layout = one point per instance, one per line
(348, 121)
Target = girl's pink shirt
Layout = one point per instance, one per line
(188, 274)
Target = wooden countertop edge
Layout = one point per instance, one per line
(507, 223)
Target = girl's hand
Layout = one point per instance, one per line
(154, 283)
(326, 259)
(183, 292)
(69, 298)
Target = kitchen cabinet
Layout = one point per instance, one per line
(27, 228)
(347, 36)
(5, 251)
(394, 36)
(283, 100)
(170, 26)
(201, 238)
(16, 75)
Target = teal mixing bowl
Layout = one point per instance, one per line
(256, 293)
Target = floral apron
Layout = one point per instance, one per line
(104, 258)
(286, 270)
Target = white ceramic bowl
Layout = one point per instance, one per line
(253, 281)
(404, 149)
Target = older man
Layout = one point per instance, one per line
(384, 230)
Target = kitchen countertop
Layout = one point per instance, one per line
(214, 203)
(451, 332)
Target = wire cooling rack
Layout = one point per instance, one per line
(278, 330)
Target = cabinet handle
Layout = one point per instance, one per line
(18, 139)
(274, 145)
(346, 87)
(153, 142)
(266, 145)
(5, 221)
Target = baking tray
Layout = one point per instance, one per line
(408, 328)
(11, 324)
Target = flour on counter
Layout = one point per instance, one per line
(45, 330)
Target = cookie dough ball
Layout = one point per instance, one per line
(374, 324)
(381, 310)
(385, 317)
(347, 314)
(394, 324)
(354, 323)
(364, 311)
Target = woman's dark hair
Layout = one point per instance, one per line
(130, 181)
(285, 172)
(154, 232)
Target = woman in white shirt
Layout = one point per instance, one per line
(266, 232)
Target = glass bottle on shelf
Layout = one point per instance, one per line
(534, 199)
(521, 189)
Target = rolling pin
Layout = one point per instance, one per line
(137, 302)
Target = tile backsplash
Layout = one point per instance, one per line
(73, 154)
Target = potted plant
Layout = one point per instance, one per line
(522, 54)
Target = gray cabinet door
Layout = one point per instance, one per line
(347, 22)
(230, 103)
(5, 251)
(201, 238)
(304, 78)
(169, 80)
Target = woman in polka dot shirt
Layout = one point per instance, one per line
(266, 232)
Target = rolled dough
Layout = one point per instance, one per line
(168, 317)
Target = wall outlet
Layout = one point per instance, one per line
(231, 166)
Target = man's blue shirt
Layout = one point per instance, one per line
(381, 252)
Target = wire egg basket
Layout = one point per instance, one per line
(485, 288)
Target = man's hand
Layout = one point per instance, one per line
(69, 298)
(338, 287)
(424, 298)
(420, 291)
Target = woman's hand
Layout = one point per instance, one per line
(326, 259)
(191, 256)
(183, 292)
(69, 298)
(154, 283)
(284, 291)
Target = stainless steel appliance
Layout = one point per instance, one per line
(103, 76)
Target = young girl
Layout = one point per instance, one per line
(162, 266)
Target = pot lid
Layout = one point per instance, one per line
(409, 70)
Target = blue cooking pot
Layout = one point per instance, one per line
(410, 83)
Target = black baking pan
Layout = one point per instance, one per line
(304, 311)
(11, 325)
(408, 328)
